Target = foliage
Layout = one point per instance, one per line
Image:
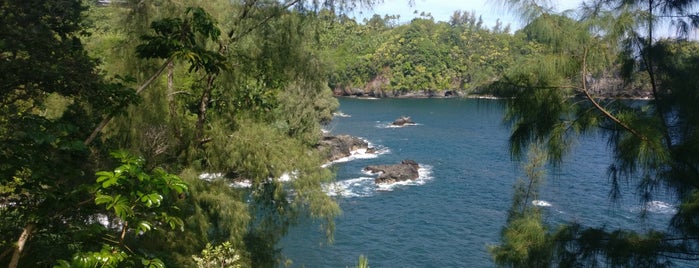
(553, 102)
(131, 194)
(272, 90)
(525, 238)
(180, 38)
(363, 262)
(132, 199)
(386, 59)
(52, 94)
(223, 255)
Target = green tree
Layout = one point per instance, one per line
(51, 95)
(134, 202)
(272, 96)
(653, 144)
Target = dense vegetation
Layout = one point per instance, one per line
(122, 126)
(382, 58)
(379, 57)
(111, 114)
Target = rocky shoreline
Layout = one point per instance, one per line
(596, 90)
(341, 146)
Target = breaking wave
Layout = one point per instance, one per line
(365, 186)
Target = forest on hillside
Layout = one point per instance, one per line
(380, 57)
(123, 125)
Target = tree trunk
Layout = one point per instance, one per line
(23, 238)
(203, 103)
(171, 89)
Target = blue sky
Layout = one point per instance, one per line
(442, 10)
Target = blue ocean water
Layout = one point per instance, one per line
(450, 216)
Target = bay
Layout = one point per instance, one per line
(450, 216)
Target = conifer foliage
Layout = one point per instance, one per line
(653, 143)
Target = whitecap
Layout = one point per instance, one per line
(357, 187)
(341, 114)
(541, 203)
(658, 207)
(365, 186)
(391, 125)
(359, 154)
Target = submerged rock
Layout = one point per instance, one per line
(406, 170)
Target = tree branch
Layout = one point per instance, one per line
(140, 89)
(604, 111)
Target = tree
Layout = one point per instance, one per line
(652, 144)
(272, 96)
(134, 202)
(51, 94)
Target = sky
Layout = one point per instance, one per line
(441, 10)
(489, 10)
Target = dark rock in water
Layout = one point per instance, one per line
(403, 120)
(342, 146)
(406, 170)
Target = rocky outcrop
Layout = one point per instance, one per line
(341, 146)
(403, 120)
(406, 170)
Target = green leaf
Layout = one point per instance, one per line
(152, 263)
(152, 199)
(103, 199)
(121, 208)
(144, 226)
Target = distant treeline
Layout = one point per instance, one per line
(381, 57)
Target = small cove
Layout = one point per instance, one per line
(458, 207)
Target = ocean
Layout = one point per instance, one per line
(456, 209)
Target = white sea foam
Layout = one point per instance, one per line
(286, 177)
(380, 124)
(210, 176)
(541, 203)
(241, 184)
(341, 114)
(365, 186)
(359, 154)
(357, 187)
(658, 207)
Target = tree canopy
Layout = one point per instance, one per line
(124, 125)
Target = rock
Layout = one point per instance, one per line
(341, 146)
(402, 121)
(406, 170)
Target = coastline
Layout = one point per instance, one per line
(419, 95)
